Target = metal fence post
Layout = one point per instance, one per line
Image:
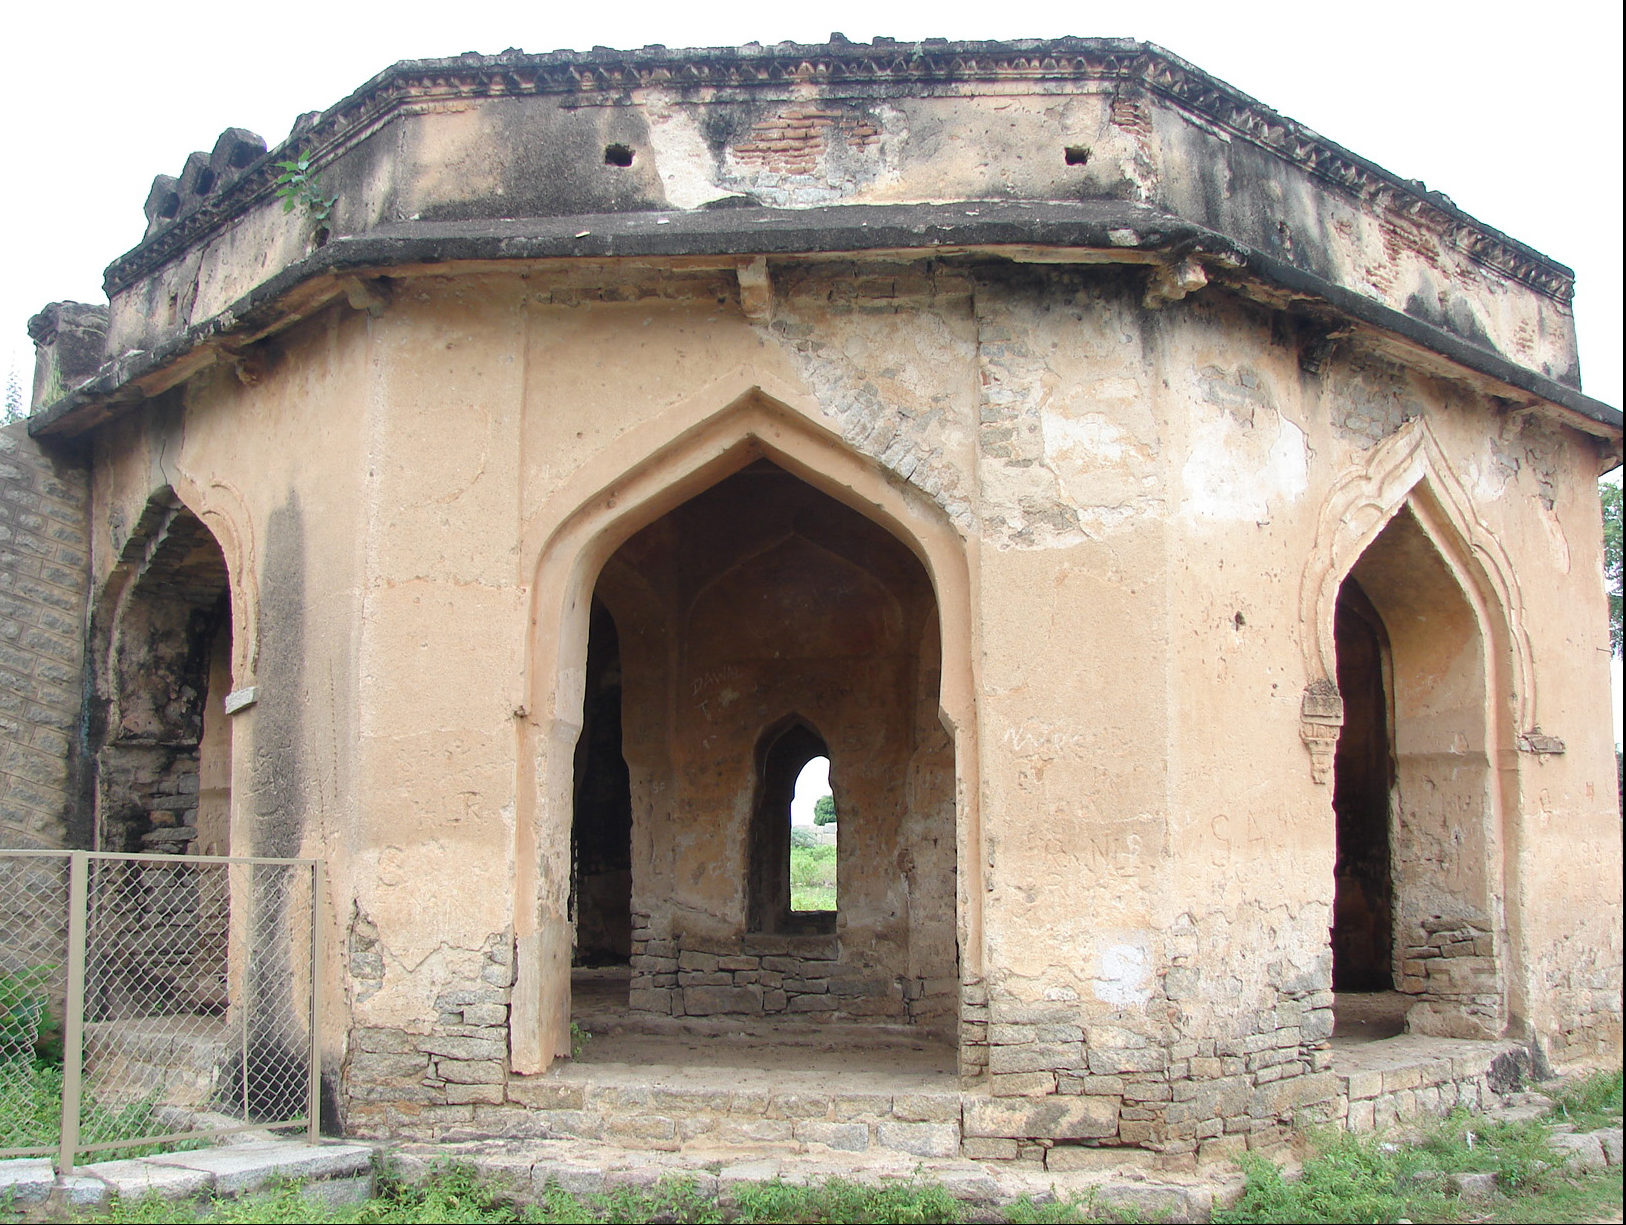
(314, 1089)
(73, 1018)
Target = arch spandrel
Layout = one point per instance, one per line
(1408, 468)
(222, 512)
(221, 508)
(643, 474)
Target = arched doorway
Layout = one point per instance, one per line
(760, 624)
(1363, 783)
(601, 819)
(163, 739)
(164, 935)
(1419, 904)
(652, 469)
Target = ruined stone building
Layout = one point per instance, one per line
(1179, 534)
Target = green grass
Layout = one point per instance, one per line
(1590, 1103)
(1365, 1178)
(458, 1195)
(31, 1115)
(812, 878)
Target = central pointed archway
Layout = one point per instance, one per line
(687, 452)
(772, 625)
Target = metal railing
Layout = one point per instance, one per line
(183, 989)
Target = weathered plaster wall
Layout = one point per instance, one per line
(1092, 120)
(282, 500)
(1143, 494)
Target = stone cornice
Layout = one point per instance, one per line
(1093, 231)
(603, 75)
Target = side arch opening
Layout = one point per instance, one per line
(199, 953)
(1420, 907)
(160, 734)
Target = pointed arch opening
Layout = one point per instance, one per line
(160, 756)
(601, 820)
(783, 755)
(161, 736)
(759, 625)
(659, 467)
(1420, 892)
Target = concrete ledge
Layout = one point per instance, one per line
(338, 1174)
(986, 226)
(133, 1179)
(248, 1167)
(583, 1168)
(27, 1180)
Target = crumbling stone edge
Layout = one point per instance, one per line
(332, 1174)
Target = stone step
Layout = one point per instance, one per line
(1416, 1076)
(179, 1061)
(671, 1110)
(530, 1167)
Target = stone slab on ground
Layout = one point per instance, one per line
(131, 1179)
(80, 1192)
(27, 1180)
(248, 1167)
(1580, 1153)
(585, 1168)
(336, 1174)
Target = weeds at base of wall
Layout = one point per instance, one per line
(459, 1195)
(1427, 1178)
(31, 1115)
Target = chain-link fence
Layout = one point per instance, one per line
(150, 999)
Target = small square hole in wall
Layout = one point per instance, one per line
(617, 155)
(1077, 155)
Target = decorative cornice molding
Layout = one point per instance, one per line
(1003, 228)
(604, 75)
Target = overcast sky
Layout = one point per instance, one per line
(1513, 110)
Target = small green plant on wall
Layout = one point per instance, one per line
(296, 188)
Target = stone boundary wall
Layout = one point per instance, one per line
(804, 977)
(1453, 964)
(44, 581)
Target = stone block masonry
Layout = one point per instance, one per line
(1417, 1077)
(44, 560)
(760, 975)
(1453, 968)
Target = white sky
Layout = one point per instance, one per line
(811, 783)
(1514, 110)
